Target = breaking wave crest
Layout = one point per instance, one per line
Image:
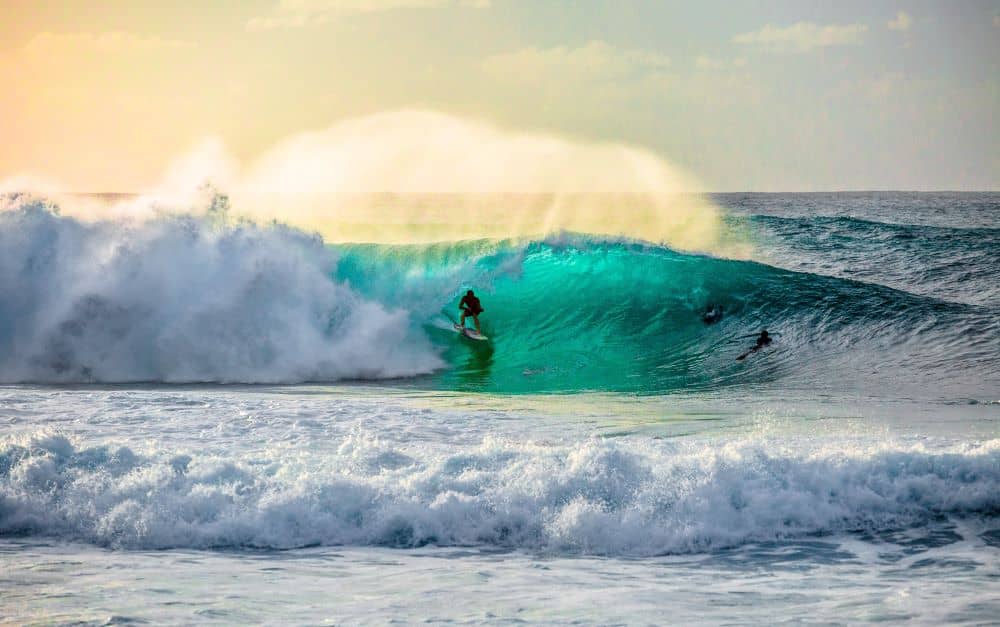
(594, 497)
(180, 298)
(186, 299)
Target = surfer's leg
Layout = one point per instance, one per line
(461, 321)
(475, 318)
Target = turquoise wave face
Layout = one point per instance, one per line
(579, 313)
(856, 306)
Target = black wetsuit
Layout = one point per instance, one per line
(762, 340)
(470, 305)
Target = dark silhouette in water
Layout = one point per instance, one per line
(470, 306)
(713, 313)
(762, 340)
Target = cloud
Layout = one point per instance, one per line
(802, 36)
(703, 62)
(60, 60)
(299, 13)
(996, 21)
(48, 43)
(595, 60)
(81, 56)
(902, 22)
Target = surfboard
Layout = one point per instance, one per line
(472, 334)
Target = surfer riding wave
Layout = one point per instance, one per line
(762, 340)
(470, 306)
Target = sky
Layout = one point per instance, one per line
(785, 95)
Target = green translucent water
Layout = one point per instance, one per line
(583, 314)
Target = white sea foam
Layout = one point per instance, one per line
(593, 497)
(180, 298)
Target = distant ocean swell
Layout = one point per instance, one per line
(184, 299)
(594, 497)
(946, 262)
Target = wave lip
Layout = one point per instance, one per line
(184, 299)
(594, 497)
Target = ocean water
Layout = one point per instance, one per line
(210, 421)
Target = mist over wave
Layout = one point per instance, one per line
(592, 497)
(476, 181)
(180, 298)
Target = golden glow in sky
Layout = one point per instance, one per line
(775, 96)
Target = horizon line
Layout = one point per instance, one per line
(543, 193)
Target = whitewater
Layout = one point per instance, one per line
(209, 419)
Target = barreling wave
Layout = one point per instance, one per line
(596, 497)
(184, 299)
(577, 312)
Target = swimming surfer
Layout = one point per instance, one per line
(713, 313)
(470, 306)
(762, 340)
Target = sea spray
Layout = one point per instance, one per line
(181, 298)
(461, 178)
